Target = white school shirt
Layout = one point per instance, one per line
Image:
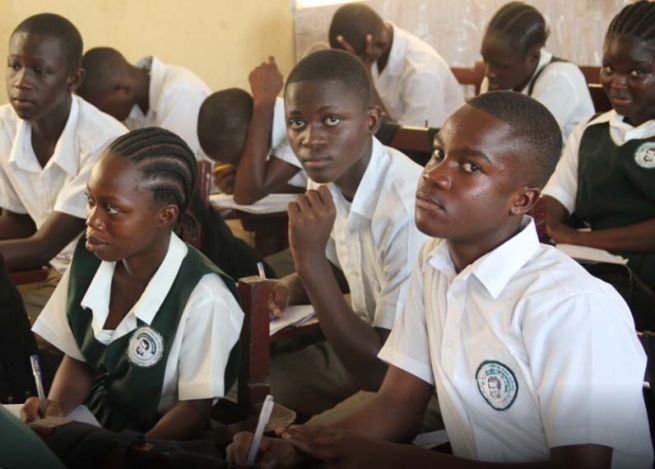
(416, 84)
(280, 147)
(528, 352)
(60, 186)
(208, 329)
(562, 88)
(563, 183)
(175, 97)
(375, 241)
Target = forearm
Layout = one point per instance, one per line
(355, 342)
(26, 253)
(250, 182)
(185, 421)
(72, 384)
(632, 238)
(15, 227)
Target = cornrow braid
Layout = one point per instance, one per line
(522, 24)
(636, 20)
(167, 164)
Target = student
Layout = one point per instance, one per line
(605, 176)
(148, 94)
(515, 59)
(147, 323)
(536, 362)
(411, 82)
(357, 215)
(247, 135)
(49, 141)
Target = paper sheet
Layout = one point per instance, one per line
(585, 253)
(272, 203)
(80, 413)
(293, 316)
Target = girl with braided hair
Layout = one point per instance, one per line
(606, 176)
(148, 324)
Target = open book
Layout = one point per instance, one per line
(272, 203)
(585, 253)
(80, 413)
(295, 315)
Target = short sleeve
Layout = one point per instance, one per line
(212, 327)
(407, 347)
(178, 112)
(587, 366)
(563, 184)
(52, 323)
(423, 100)
(9, 199)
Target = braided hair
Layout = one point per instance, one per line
(636, 20)
(167, 164)
(522, 24)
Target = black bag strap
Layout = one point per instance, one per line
(538, 74)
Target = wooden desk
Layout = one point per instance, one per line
(270, 229)
(29, 276)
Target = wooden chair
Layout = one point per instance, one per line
(472, 76)
(415, 142)
(591, 74)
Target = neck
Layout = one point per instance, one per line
(525, 83)
(141, 267)
(465, 253)
(349, 181)
(50, 127)
(141, 83)
(384, 57)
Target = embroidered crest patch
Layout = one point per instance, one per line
(497, 384)
(146, 347)
(645, 155)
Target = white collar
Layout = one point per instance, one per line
(65, 154)
(98, 294)
(496, 268)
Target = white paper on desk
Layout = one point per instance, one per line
(431, 439)
(293, 316)
(585, 253)
(80, 413)
(272, 203)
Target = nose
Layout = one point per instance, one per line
(94, 218)
(489, 71)
(313, 135)
(437, 175)
(22, 79)
(619, 81)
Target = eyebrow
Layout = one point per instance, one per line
(466, 150)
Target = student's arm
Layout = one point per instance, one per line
(256, 177)
(70, 388)
(311, 218)
(15, 225)
(38, 249)
(184, 421)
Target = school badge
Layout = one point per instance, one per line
(645, 155)
(146, 347)
(497, 384)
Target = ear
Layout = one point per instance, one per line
(168, 216)
(374, 119)
(75, 79)
(525, 199)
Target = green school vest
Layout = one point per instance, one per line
(130, 370)
(616, 187)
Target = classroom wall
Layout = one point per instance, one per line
(220, 40)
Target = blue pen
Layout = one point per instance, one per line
(36, 370)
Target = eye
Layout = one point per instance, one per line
(111, 210)
(438, 154)
(89, 200)
(331, 121)
(607, 70)
(295, 123)
(471, 167)
(637, 73)
(39, 71)
(14, 66)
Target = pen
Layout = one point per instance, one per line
(260, 269)
(264, 415)
(220, 167)
(36, 370)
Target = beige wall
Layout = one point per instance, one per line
(219, 40)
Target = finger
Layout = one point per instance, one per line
(345, 44)
(240, 446)
(305, 442)
(369, 44)
(31, 410)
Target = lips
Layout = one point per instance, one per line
(315, 162)
(620, 100)
(428, 202)
(93, 243)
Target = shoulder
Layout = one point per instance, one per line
(421, 58)
(565, 69)
(177, 79)
(95, 128)
(8, 128)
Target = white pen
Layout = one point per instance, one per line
(260, 268)
(36, 370)
(264, 415)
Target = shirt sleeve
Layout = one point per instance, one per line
(212, 328)
(179, 114)
(563, 184)
(588, 368)
(422, 100)
(556, 90)
(9, 199)
(407, 346)
(71, 199)
(52, 323)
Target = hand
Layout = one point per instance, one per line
(338, 448)
(370, 54)
(311, 218)
(561, 233)
(31, 410)
(279, 299)
(224, 179)
(266, 81)
(273, 453)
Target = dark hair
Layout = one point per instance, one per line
(537, 138)
(636, 20)
(103, 67)
(336, 66)
(49, 24)
(521, 24)
(223, 121)
(354, 21)
(167, 164)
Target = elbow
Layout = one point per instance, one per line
(245, 197)
(372, 381)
